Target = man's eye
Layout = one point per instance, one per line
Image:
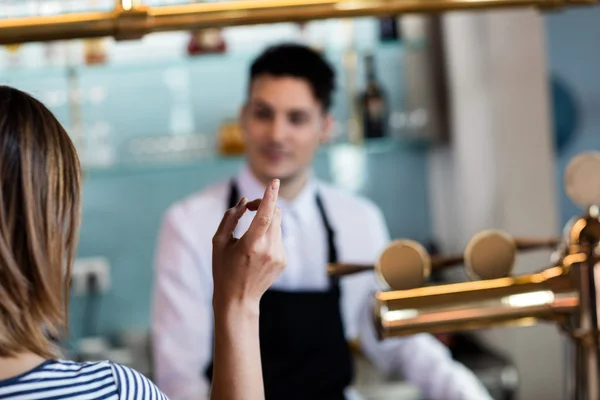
(298, 118)
(262, 114)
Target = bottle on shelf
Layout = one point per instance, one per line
(94, 49)
(14, 57)
(230, 138)
(206, 41)
(373, 104)
(352, 125)
(388, 29)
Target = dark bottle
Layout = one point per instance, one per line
(373, 105)
(388, 29)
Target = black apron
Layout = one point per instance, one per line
(304, 352)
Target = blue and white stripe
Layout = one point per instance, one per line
(55, 380)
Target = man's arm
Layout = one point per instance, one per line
(182, 318)
(421, 359)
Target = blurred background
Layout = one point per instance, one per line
(483, 112)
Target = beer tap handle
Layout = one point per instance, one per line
(489, 255)
(404, 264)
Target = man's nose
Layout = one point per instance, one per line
(277, 128)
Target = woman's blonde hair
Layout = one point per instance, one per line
(40, 198)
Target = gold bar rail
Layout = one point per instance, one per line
(133, 21)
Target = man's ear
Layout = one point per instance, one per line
(328, 126)
(243, 111)
(243, 116)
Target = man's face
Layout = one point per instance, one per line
(283, 125)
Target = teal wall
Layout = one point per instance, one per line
(574, 57)
(124, 203)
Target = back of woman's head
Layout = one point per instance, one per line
(39, 218)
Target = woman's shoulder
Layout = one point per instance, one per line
(133, 385)
(62, 379)
(62, 370)
(69, 379)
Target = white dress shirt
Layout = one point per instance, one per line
(182, 321)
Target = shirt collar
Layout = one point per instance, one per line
(304, 202)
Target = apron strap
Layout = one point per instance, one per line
(234, 194)
(332, 250)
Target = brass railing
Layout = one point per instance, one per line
(130, 19)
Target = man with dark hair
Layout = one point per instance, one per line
(306, 317)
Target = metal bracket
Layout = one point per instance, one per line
(132, 21)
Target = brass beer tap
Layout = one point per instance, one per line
(564, 293)
(405, 264)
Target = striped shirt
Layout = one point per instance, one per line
(53, 380)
